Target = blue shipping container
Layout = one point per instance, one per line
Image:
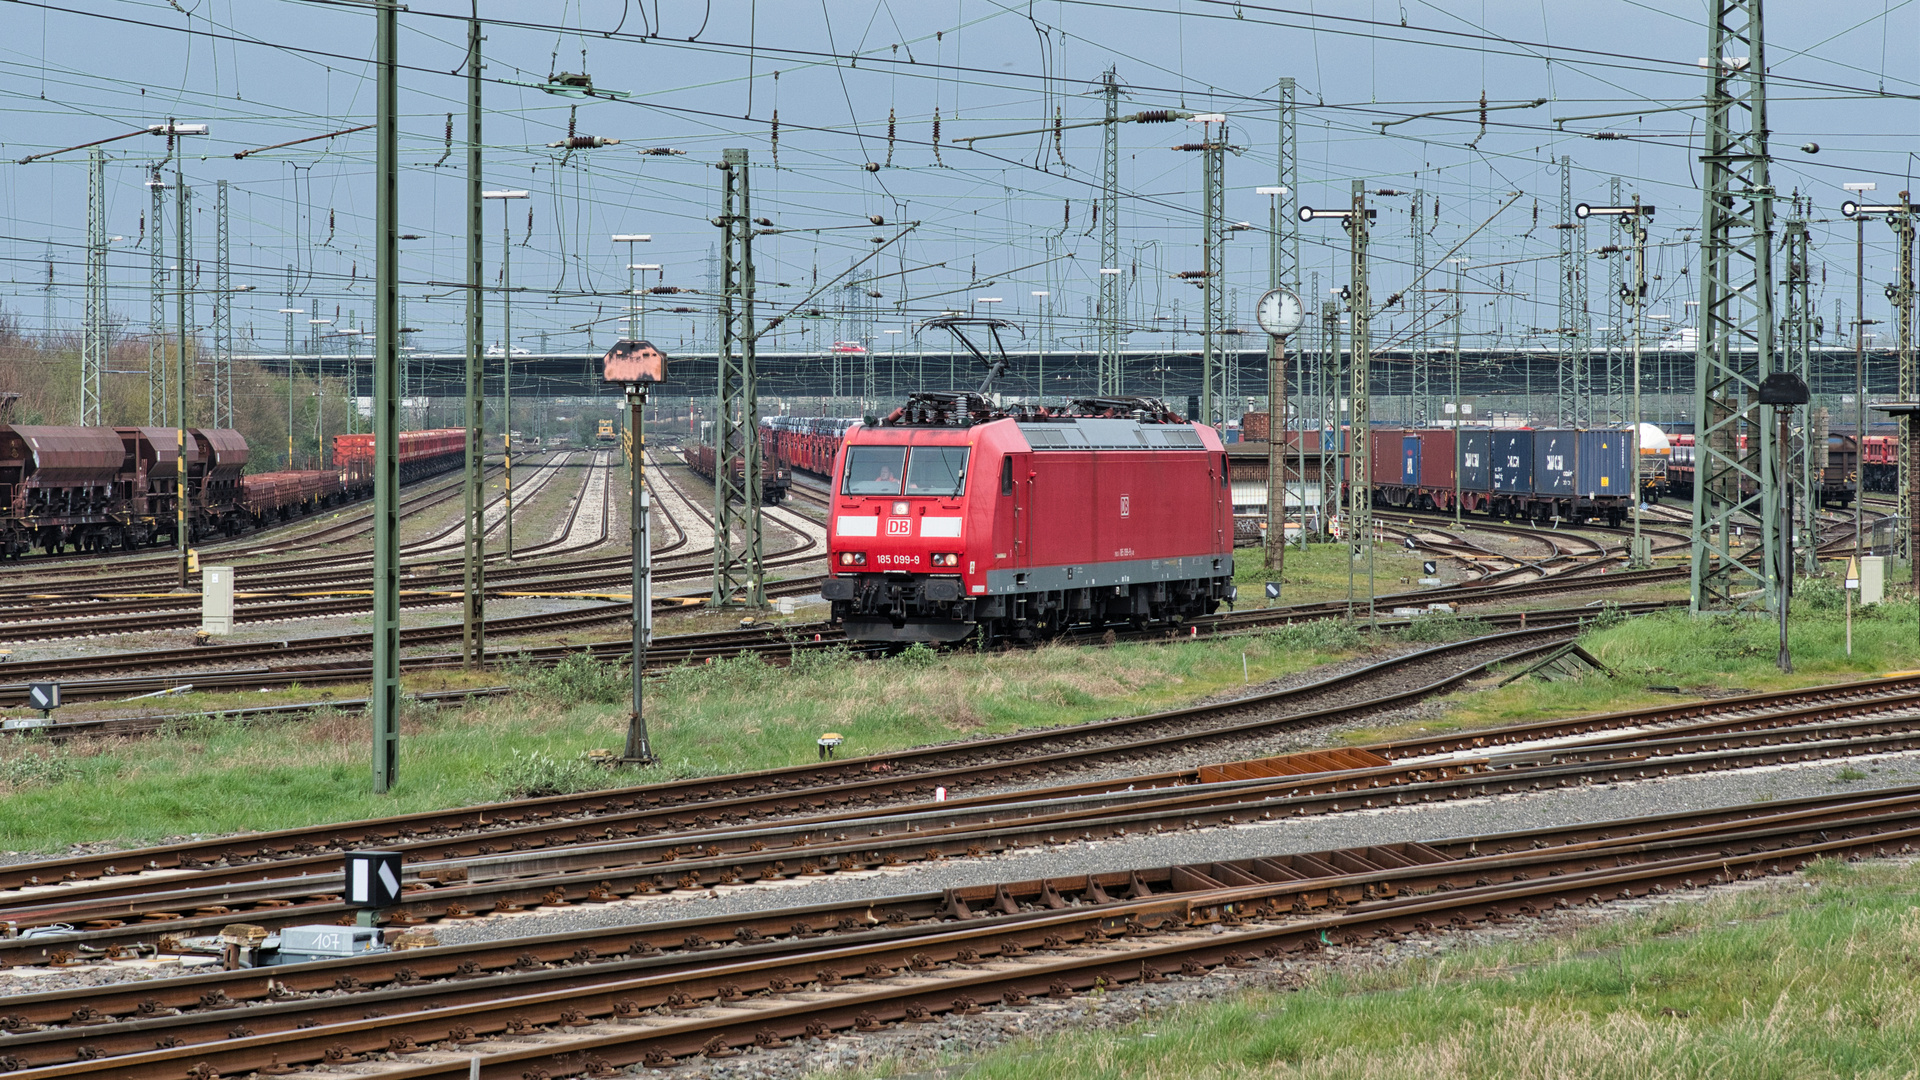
(1605, 467)
(1553, 453)
(1410, 460)
(1474, 466)
(1513, 460)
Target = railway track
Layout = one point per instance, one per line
(1446, 663)
(854, 841)
(1761, 729)
(586, 1004)
(36, 606)
(353, 519)
(427, 589)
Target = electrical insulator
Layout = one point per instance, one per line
(877, 219)
(584, 142)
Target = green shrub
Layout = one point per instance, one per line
(819, 661)
(51, 767)
(193, 726)
(1438, 628)
(917, 654)
(576, 679)
(534, 774)
(1818, 594)
(744, 672)
(1318, 635)
(1609, 615)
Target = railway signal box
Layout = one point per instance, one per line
(216, 599)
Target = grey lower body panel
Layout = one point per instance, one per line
(915, 628)
(1107, 574)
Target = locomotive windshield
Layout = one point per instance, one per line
(937, 470)
(874, 470)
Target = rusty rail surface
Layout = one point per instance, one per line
(601, 1006)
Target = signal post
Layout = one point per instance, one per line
(638, 365)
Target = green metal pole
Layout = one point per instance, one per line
(506, 361)
(180, 516)
(473, 638)
(386, 413)
(639, 748)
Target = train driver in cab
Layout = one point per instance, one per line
(875, 470)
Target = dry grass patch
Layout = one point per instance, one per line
(1804, 978)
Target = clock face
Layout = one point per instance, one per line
(1279, 312)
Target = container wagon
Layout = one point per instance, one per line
(1522, 473)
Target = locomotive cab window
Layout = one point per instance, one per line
(874, 470)
(937, 470)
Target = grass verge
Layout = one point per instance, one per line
(1672, 654)
(215, 776)
(1799, 980)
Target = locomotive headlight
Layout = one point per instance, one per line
(946, 560)
(899, 508)
(853, 558)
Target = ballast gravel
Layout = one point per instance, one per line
(1358, 828)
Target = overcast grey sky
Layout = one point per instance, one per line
(1014, 212)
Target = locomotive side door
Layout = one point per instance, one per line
(1222, 503)
(1012, 494)
(1022, 552)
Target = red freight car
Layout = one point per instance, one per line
(776, 477)
(422, 454)
(1020, 525)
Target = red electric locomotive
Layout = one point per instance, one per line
(951, 516)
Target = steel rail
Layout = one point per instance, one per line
(218, 988)
(799, 782)
(606, 871)
(119, 1018)
(1057, 954)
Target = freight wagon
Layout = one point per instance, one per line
(99, 488)
(1020, 524)
(1880, 463)
(422, 454)
(775, 479)
(1835, 471)
(807, 443)
(1522, 473)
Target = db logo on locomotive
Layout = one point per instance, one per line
(900, 527)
